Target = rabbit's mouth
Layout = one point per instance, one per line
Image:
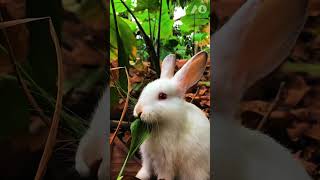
(150, 120)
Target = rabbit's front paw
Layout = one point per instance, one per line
(91, 151)
(143, 174)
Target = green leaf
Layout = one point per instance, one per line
(200, 36)
(131, 24)
(197, 15)
(126, 35)
(166, 23)
(139, 132)
(14, 108)
(151, 5)
(120, 8)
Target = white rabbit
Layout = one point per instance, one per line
(179, 145)
(93, 145)
(249, 46)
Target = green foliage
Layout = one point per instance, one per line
(197, 15)
(179, 39)
(151, 5)
(139, 132)
(126, 34)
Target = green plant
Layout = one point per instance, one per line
(139, 132)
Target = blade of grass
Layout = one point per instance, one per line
(58, 107)
(70, 120)
(56, 116)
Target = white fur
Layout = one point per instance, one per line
(255, 40)
(93, 145)
(179, 145)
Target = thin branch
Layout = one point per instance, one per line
(271, 107)
(124, 109)
(151, 34)
(147, 40)
(159, 34)
(195, 94)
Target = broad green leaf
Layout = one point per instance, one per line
(14, 108)
(151, 5)
(142, 15)
(139, 132)
(193, 22)
(126, 34)
(120, 8)
(197, 15)
(131, 24)
(200, 36)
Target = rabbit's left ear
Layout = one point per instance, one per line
(167, 67)
(191, 72)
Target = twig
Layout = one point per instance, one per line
(124, 109)
(58, 107)
(124, 124)
(271, 107)
(195, 94)
(22, 83)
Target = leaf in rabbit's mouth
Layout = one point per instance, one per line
(140, 131)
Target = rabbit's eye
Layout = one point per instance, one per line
(162, 96)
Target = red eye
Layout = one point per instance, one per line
(162, 96)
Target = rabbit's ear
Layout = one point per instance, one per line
(258, 37)
(191, 72)
(167, 67)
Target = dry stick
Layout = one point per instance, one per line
(58, 107)
(22, 83)
(124, 109)
(271, 107)
(195, 94)
(56, 117)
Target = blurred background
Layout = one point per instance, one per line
(29, 78)
(285, 105)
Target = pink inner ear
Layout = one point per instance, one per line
(191, 72)
(167, 67)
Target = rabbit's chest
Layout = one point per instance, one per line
(160, 150)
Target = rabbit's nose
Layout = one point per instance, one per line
(138, 111)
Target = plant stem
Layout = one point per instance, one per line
(123, 166)
(159, 34)
(194, 33)
(151, 34)
(150, 47)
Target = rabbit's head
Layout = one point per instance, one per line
(256, 39)
(163, 98)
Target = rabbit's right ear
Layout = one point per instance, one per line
(258, 37)
(167, 67)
